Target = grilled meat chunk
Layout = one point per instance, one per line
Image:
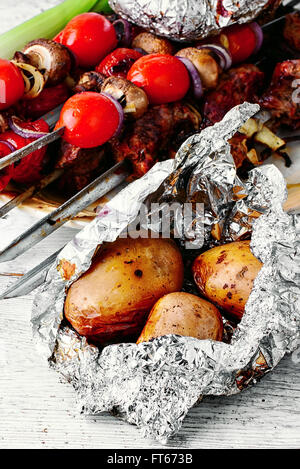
(82, 166)
(236, 86)
(291, 30)
(156, 135)
(282, 98)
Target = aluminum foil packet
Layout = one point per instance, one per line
(154, 384)
(188, 20)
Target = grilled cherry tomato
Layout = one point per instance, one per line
(118, 62)
(47, 100)
(90, 37)
(90, 119)
(29, 169)
(59, 36)
(163, 77)
(240, 40)
(11, 84)
(5, 173)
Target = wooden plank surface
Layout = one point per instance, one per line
(37, 410)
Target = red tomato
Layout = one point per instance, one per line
(118, 62)
(90, 119)
(91, 37)
(163, 77)
(29, 169)
(58, 37)
(11, 84)
(240, 40)
(5, 173)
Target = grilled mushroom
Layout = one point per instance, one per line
(51, 58)
(152, 44)
(133, 99)
(206, 65)
(90, 81)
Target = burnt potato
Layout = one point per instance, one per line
(225, 275)
(113, 298)
(183, 314)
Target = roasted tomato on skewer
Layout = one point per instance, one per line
(30, 168)
(11, 84)
(118, 62)
(5, 173)
(164, 78)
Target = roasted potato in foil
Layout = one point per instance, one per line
(225, 276)
(183, 314)
(113, 298)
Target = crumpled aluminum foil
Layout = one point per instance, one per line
(153, 385)
(187, 20)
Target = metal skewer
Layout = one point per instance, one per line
(31, 280)
(32, 190)
(91, 193)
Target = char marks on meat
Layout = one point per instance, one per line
(236, 86)
(156, 135)
(81, 166)
(282, 98)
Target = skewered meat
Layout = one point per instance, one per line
(282, 98)
(82, 166)
(236, 86)
(159, 132)
(291, 30)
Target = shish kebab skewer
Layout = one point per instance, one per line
(56, 134)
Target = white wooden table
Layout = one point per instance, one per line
(38, 411)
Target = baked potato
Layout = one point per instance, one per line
(183, 314)
(113, 298)
(225, 275)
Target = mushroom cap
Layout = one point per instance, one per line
(51, 58)
(206, 65)
(135, 97)
(152, 44)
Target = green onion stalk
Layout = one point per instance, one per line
(47, 24)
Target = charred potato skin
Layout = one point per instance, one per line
(113, 298)
(183, 314)
(225, 275)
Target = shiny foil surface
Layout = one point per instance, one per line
(187, 20)
(154, 384)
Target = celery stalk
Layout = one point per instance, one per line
(102, 6)
(46, 25)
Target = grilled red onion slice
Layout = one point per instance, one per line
(224, 56)
(259, 36)
(196, 80)
(8, 144)
(140, 50)
(125, 35)
(120, 111)
(25, 133)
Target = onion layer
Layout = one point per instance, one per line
(34, 83)
(120, 112)
(13, 123)
(224, 56)
(193, 72)
(8, 144)
(125, 35)
(259, 36)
